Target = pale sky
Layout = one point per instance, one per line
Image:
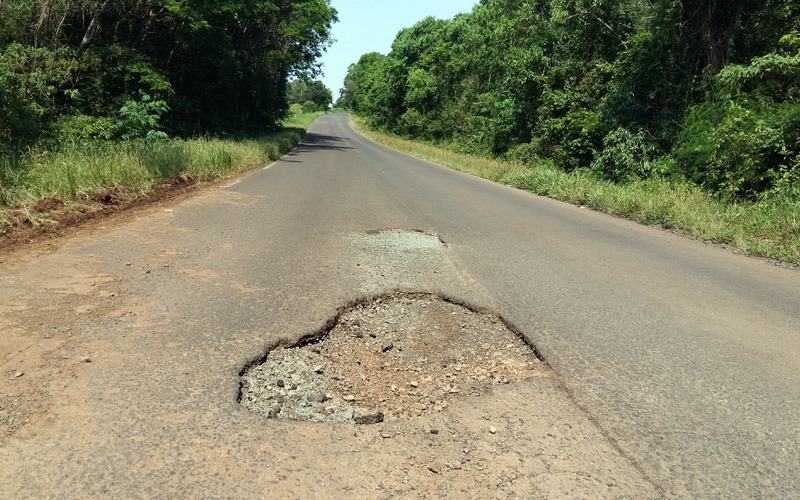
(371, 25)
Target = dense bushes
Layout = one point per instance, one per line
(623, 90)
(123, 69)
(746, 139)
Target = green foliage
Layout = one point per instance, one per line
(89, 88)
(139, 119)
(628, 89)
(524, 154)
(302, 92)
(310, 107)
(741, 147)
(78, 169)
(381, 92)
(746, 141)
(573, 140)
(29, 83)
(354, 81)
(627, 157)
(221, 66)
(85, 127)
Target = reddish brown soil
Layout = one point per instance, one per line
(50, 219)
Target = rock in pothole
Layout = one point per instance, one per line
(398, 356)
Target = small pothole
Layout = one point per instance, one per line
(405, 239)
(397, 356)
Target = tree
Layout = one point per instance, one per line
(221, 66)
(609, 87)
(353, 82)
(301, 91)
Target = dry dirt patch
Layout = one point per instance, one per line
(395, 357)
(51, 219)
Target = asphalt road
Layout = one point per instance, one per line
(683, 355)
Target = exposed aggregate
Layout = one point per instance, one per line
(400, 356)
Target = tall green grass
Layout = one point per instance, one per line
(768, 228)
(73, 170)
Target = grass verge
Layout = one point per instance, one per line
(77, 170)
(768, 228)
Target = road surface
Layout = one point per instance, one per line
(677, 360)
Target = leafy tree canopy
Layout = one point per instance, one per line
(207, 66)
(623, 89)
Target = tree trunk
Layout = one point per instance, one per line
(94, 25)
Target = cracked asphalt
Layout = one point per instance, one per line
(677, 362)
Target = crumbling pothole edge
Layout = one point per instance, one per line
(321, 333)
(375, 232)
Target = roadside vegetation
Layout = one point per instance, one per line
(678, 113)
(76, 170)
(110, 99)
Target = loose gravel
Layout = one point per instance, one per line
(397, 357)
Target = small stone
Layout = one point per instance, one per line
(293, 387)
(318, 369)
(434, 431)
(349, 398)
(387, 346)
(414, 383)
(493, 430)
(87, 309)
(454, 465)
(280, 383)
(373, 335)
(369, 419)
(318, 397)
(386, 435)
(435, 467)
(86, 359)
(19, 374)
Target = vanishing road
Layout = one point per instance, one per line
(126, 346)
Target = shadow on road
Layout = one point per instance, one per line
(320, 142)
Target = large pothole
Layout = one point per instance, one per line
(397, 356)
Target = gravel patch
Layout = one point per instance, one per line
(397, 357)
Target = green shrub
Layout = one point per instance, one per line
(85, 127)
(626, 157)
(526, 154)
(29, 80)
(572, 140)
(139, 119)
(746, 140)
(743, 147)
(310, 107)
